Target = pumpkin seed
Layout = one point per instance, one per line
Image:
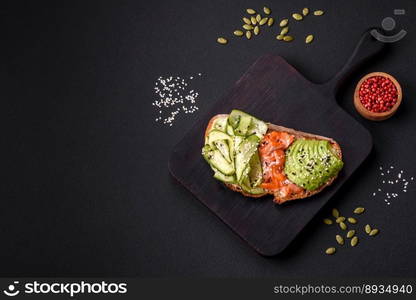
(340, 219)
(330, 250)
(284, 30)
(267, 10)
(250, 11)
(297, 17)
(270, 22)
(258, 18)
(256, 30)
(352, 220)
(350, 234)
(339, 239)
(359, 210)
(343, 225)
(247, 27)
(335, 213)
(280, 37)
(354, 241)
(309, 39)
(373, 232)
(367, 229)
(263, 21)
(222, 40)
(318, 12)
(288, 38)
(238, 33)
(305, 11)
(247, 21)
(284, 22)
(326, 221)
(253, 20)
(248, 35)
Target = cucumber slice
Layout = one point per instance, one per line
(235, 117)
(224, 178)
(217, 161)
(230, 130)
(216, 135)
(220, 124)
(257, 127)
(207, 153)
(244, 152)
(245, 185)
(220, 163)
(243, 125)
(222, 146)
(256, 173)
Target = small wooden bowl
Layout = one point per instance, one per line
(373, 115)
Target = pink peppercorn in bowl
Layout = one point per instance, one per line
(377, 96)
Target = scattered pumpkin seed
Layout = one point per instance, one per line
(330, 250)
(284, 22)
(280, 37)
(305, 11)
(222, 40)
(238, 33)
(270, 22)
(335, 213)
(247, 27)
(343, 225)
(253, 20)
(309, 39)
(352, 220)
(284, 30)
(258, 18)
(263, 21)
(256, 30)
(340, 219)
(354, 241)
(267, 10)
(248, 34)
(297, 17)
(326, 221)
(367, 229)
(339, 239)
(247, 21)
(288, 38)
(250, 11)
(373, 232)
(359, 210)
(318, 12)
(350, 233)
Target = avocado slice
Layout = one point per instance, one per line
(311, 163)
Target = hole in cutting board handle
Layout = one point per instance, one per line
(366, 48)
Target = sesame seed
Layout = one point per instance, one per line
(173, 97)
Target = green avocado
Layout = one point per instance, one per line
(311, 163)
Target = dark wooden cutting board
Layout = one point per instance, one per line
(274, 91)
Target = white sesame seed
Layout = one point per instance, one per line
(172, 94)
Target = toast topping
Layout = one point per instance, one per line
(311, 163)
(272, 153)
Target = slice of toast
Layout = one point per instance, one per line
(298, 134)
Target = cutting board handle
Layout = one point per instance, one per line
(366, 48)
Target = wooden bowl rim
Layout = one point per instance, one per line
(376, 114)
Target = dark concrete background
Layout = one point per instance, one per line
(86, 190)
